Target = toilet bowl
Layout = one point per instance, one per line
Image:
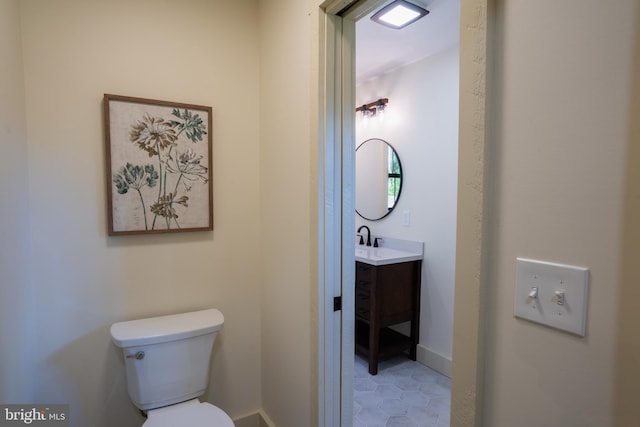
(167, 367)
(192, 413)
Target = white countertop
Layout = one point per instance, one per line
(391, 251)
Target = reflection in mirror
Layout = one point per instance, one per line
(378, 179)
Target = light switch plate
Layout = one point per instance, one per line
(560, 294)
(406, 218)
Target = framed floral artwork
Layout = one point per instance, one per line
(158, 166)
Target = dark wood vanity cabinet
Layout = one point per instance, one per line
(386, 295)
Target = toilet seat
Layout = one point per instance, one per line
(192, 413)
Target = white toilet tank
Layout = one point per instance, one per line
(167, 358)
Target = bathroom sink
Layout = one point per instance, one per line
(387, 255)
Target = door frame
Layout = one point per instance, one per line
(336, 204)
(333, 227)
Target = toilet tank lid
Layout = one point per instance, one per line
(173, 327)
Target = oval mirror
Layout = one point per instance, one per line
(378, 179)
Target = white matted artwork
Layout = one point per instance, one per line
(158, 166)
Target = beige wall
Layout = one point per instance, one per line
(627, 361)
(16, 297)
(192, 51)
(287, 330)
(563, 80)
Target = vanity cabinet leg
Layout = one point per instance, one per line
(374, 345)
(414, 339)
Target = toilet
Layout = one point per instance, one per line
(167, 367)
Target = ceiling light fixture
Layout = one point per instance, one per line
(398, 14)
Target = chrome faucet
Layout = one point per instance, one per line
(368, 235)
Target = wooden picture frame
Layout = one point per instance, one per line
(159, 166)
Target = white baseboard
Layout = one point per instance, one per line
(433, 360)
(265, 421)
(252, 420)
(257, 419)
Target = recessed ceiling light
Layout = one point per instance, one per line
(399, 14)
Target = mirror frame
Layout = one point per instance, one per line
(401, 179)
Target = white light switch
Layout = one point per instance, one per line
(406, 218)
(552, 294)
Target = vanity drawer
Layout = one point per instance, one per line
(364, 273)
(363, 303)
(363, 285)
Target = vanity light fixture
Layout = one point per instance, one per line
(380, 107)
(373, 108)
(398, 14)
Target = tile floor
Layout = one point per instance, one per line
(403, 394)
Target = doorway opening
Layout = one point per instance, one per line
(416, 71)
(338, 206)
